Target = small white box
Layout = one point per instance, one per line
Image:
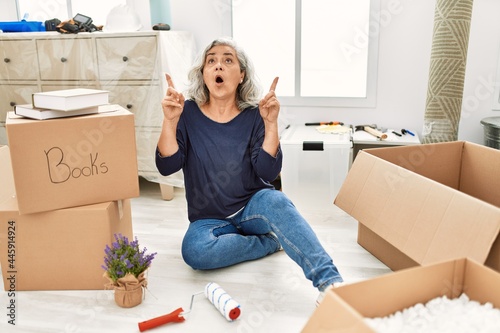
(314, 165)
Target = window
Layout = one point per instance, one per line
(324, 51)
(42, 10)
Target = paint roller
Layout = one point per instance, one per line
(226, 305)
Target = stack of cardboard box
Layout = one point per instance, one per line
(66, 185)
(431, 213)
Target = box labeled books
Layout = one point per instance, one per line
(56, 250)
(67, 162)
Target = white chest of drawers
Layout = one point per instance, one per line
(130, 65)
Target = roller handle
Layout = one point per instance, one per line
(375, 133)
(173, 317)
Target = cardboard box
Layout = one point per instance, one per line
(314, 165)
(69, 162)
(56, 250)
(344, 308)
(423, 204)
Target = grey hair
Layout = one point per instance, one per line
(247, 93)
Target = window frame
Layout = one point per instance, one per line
(370, 100)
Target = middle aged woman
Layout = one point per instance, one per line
(226, 141)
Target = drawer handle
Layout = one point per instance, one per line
(125, 58)
(12, 103)
(312, 145)
(6, 60)
(129, 106)
(63, 59)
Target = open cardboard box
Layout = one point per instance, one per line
(344, 308)
(56, 250)
(68, 162)
(422, 204)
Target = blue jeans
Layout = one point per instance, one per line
(214, 243)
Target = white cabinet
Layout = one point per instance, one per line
(19, 60)
(67, 59)
(18, 75)
(12, 94)
(131, 66)
(127, 58)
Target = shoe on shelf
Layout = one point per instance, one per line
(322, 293)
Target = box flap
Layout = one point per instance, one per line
(479, 176)
(426, 220)
(437, 161)
(404, 288)
(477, 279)
(335, 315)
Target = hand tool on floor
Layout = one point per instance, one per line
(227, 306)
(372, 129)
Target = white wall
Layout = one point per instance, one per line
(480, 77)
(9, 10)
(404, 57)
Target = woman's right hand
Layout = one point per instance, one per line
(173, 102)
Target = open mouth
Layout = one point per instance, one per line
(219, 79)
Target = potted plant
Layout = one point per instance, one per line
(125, 265)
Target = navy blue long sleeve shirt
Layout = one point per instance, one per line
(223, 163)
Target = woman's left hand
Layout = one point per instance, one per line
(269, 106)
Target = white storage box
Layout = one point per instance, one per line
(314, 165)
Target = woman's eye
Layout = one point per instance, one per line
(229, 61)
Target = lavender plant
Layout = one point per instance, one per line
(125, 257)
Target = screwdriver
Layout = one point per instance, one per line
(404, 131)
